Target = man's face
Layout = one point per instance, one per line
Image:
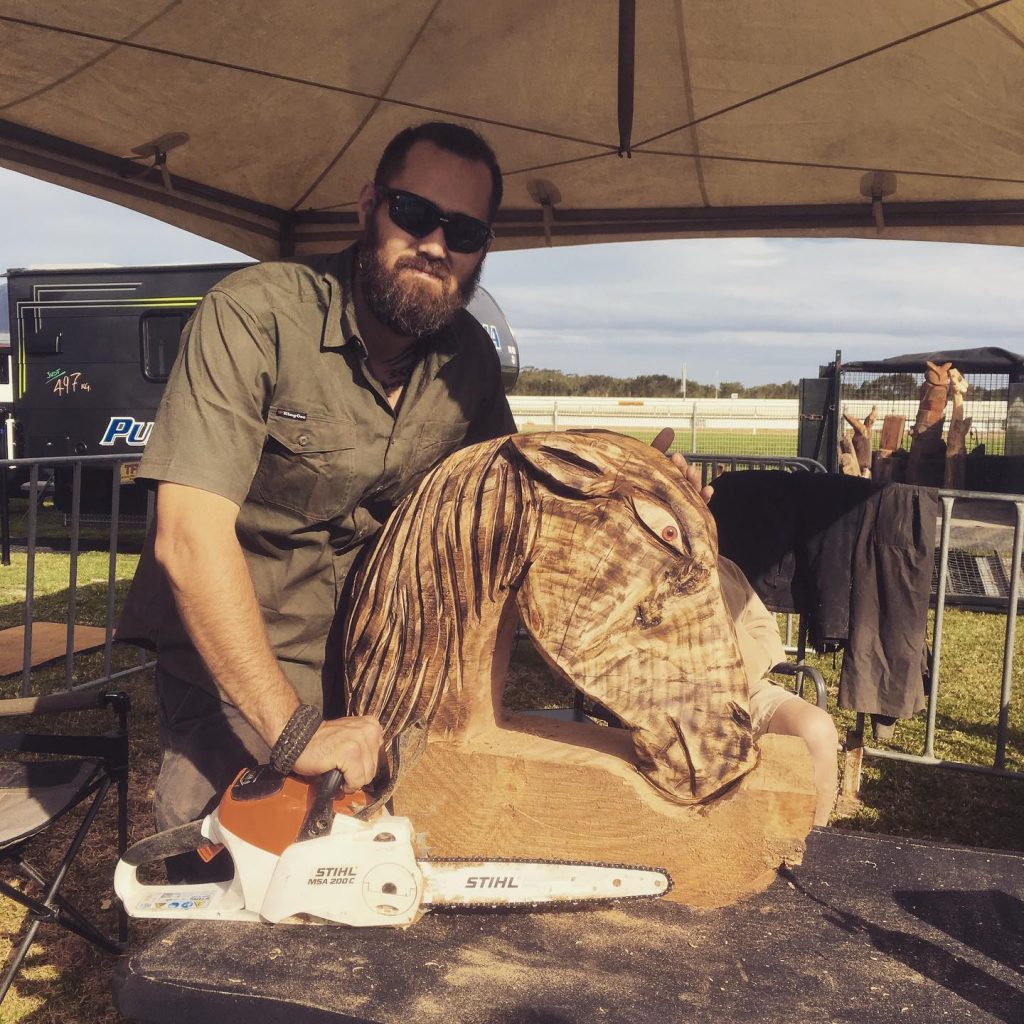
(416, 285)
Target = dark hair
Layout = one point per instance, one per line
(453, 138)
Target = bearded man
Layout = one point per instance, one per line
(307, 399)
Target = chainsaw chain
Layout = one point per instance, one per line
(546, 904)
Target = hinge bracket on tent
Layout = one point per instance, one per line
(877, 185)
(286, 235)
(546, 194)
(158, 149)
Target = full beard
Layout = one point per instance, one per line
(406, 306)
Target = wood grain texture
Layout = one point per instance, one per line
(862, 438)
(892, 433)
(609, 558)
(926, 464)
(956, 436)
(554, 790)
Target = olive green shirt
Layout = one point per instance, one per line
(271, 404)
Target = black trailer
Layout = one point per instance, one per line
(92, 349)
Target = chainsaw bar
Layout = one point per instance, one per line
(526, 883)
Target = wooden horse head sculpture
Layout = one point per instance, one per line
(609, 557)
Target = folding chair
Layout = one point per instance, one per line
(799, 669)
(37, 792)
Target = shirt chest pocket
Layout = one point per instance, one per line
(437, 439)
(307, 466)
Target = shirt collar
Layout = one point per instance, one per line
(340, 327)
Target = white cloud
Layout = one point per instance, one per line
(45, 224)
(768, 309)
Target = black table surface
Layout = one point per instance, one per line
(868, 929)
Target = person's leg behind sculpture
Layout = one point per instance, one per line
(773, 708)
(776, 710)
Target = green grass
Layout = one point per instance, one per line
(69, 982)
(944, 803)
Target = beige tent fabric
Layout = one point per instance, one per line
(749, 117)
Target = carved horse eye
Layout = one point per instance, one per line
(660, 521)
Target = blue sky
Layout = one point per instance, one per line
(753, 310)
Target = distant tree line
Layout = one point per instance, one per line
(534, 381)
(906, 386)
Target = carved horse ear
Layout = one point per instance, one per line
(568, 461)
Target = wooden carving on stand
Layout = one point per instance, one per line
(926, 463)
(848, 464)
(889, 463)
(956, 436)
(861, 440)
(609, 558)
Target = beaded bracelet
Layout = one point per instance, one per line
(294, 738)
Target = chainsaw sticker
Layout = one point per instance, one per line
(128, 429)
(333, 876)
(491, 882)
(177, 901)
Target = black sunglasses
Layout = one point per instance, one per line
(419, 217)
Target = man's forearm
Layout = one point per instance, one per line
(198, 548)
(217, 603)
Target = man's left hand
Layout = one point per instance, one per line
(692, 473)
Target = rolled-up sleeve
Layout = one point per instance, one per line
(211, 424)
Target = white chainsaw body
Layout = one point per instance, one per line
(361, 873)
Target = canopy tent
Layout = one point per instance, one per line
(255, 124)
(966, 360)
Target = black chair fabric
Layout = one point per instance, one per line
(35, 794)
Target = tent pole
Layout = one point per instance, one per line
(627, 60)
(286, 235)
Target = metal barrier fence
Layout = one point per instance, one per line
(1007, 602)
(36, 488)
(986, 403)
(742, 426)
(999, 596)
(714, 464)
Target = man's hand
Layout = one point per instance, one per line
(692, 473)
(352, 745)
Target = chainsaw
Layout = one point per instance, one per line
(304, 854)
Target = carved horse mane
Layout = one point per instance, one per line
(608, 555)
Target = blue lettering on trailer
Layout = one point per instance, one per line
(128, 429)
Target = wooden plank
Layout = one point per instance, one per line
(49, 643)
(892, 433)
(564, 791)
